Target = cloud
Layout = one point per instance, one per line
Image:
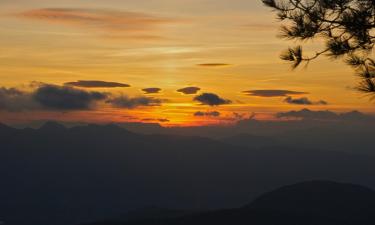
(189, 90)
(240, 116)
(96, 84)
(213, 64)
(211, 99)
(66, 98)
(157, 120)
(151, 90)
(273, 93)
(208, 114)
(131, 103)
(164, 120)
(13, 99)
(110, 23)
(48, 97)
(10, 92)
(307, 114)
(303, 101)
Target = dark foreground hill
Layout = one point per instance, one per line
(308, 203)
(59, 176)
(322, 198)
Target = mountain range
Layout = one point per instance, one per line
(314, 202)
(58, 175)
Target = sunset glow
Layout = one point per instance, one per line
(141, 53)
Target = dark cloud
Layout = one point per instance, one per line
(157, 120)
(298, 101)
(307, 114)
(189, 90)
(238, 116)
(164, 120)
(96, 84)
(10, 92)
(131, 103)
(211, 99)
(272, 93)
(213, 64)
(208, 114)
(303, 101)
(151, 90)
(66, 98)
(199, 113)
(13, 99)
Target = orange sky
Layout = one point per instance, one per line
(223, 47)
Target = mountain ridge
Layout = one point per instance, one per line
(100, 172)
(259, 215)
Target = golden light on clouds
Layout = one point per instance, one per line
(111, 23)
(152, 59)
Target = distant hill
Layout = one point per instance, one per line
(308, 203)
(251, 141)
(323, 130)
(61, 176)
(155, 213)
(323, 198)
(4, 129)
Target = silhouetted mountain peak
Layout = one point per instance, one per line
(107, 127)
(318, 197)
(4, 128)
(108, 130)
(51, 126)
(356, 115)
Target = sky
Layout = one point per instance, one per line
(177, 63)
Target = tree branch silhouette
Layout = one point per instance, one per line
(346, 26)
